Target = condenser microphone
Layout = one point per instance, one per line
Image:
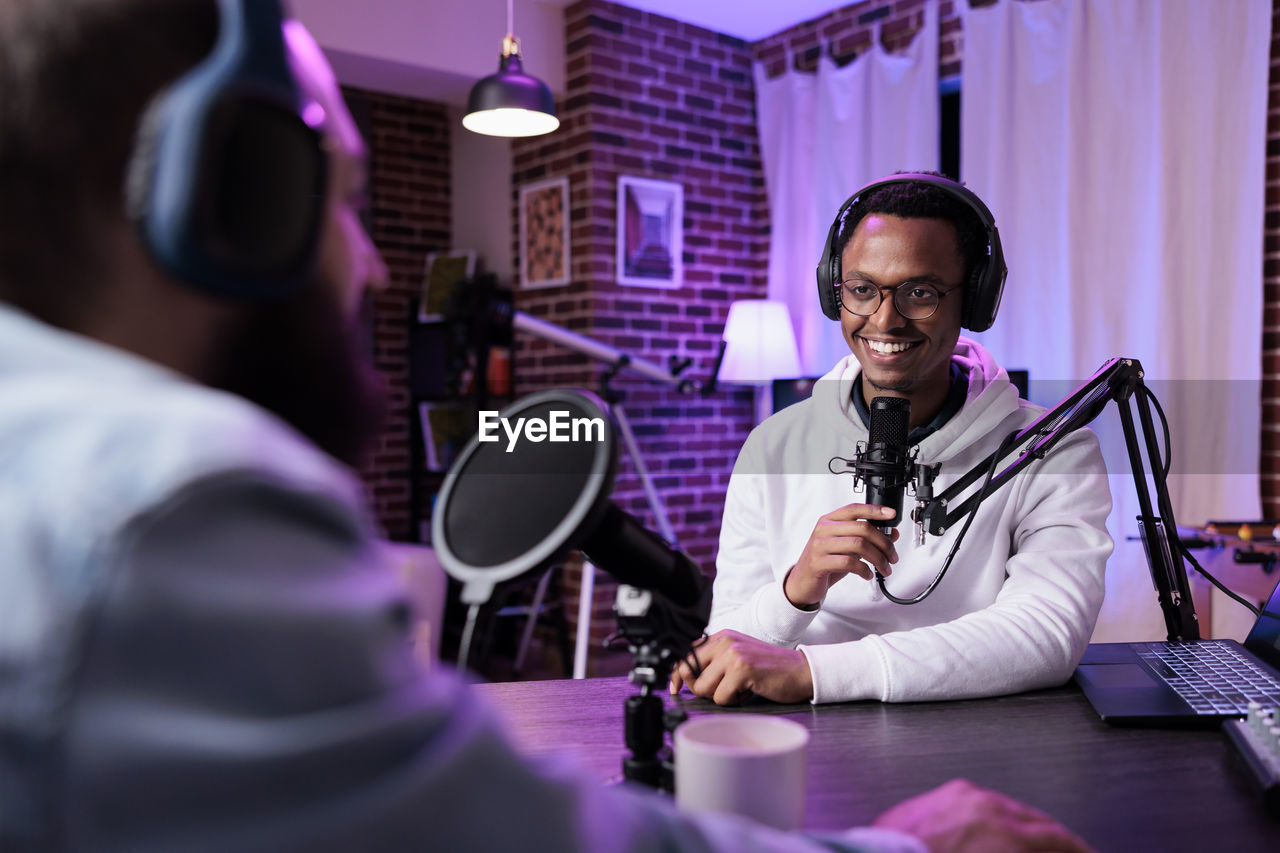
(885, 464)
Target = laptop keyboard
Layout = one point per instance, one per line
(1212, 676)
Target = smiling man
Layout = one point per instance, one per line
(911, 260)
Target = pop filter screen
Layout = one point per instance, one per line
(511, 503)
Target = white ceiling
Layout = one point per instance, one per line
(749, 20)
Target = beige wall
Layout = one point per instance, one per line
(432, 49)
(481, 198)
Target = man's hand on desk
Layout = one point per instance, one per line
(734, 666)
(960, 817)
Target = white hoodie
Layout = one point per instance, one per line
(1015, 610)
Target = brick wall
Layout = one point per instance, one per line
(409, 217)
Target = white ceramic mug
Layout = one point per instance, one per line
(747, 764)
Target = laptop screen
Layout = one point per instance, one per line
(1264, 638)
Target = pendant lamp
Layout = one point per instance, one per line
(510, 103)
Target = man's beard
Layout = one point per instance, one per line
(901, 385)
(305, 360)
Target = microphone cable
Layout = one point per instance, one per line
(955, 546)
(1165, 465)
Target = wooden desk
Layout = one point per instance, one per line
(1123, 790)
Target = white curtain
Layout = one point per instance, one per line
(1120, 145)
(824, 135)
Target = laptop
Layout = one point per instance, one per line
(1192, 683)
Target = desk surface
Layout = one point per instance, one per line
(1122, 789)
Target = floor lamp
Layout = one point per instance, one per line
(760, 346)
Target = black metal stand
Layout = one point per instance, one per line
(650, 760)
(1119, 381)
(657, 634)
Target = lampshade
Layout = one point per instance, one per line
(760, 343)
(510, 103)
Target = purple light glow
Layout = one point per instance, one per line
(313, 114)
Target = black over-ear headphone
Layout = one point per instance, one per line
(226, 180)
(986, 282)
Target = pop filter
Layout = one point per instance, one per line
(534, 482)
(518, 495)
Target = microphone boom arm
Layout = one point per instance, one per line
(1116, 381)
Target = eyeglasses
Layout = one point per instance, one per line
(913, 300)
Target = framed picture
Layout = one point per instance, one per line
(650, 232)
(446, 429)
(443, 271)
(544, 233)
